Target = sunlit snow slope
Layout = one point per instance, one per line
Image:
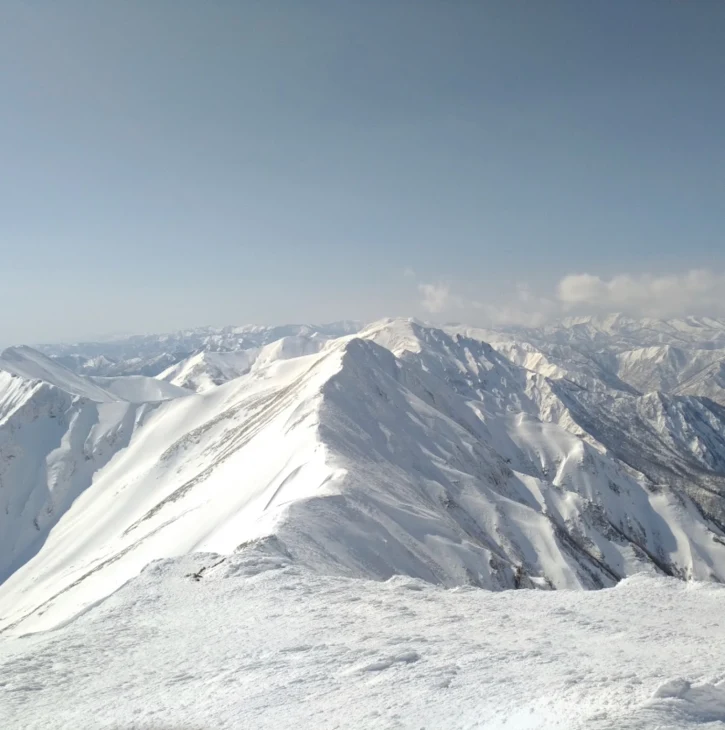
(405, 449)
(207, 369)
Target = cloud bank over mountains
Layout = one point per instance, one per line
(695, 292)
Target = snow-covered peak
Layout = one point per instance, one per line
(622, 332)
(208, 369)
(30, 364)
(290, 347)
(140, 388)
(27, 363)
(665, 367)
(407, 448)
(397, 335)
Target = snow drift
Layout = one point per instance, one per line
(252, 640)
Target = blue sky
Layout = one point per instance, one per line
(178, 163)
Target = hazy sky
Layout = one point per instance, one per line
(179, 162)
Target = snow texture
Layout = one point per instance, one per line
(249, 640)
(403, 450)
(208, 535)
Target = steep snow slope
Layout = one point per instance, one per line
(490, 498)
(250, 641)
(57, 429)
(470, 367)
(663, 368)
(675, 442)
(681, 356)
(51, 444)
(140, 389)
(207, 369)
(30, 364)
(202, 469)
(708, 382)
(672, 442)
(427, 459)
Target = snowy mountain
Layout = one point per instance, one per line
(29, 364)
(683, 356)
(625, 333)
(404, 449)
(151, 355)
(57, 429)
(207, 369)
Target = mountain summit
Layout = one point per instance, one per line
(402, 449)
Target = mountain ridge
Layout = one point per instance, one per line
(404, 448)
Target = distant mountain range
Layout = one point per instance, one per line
(569, 456)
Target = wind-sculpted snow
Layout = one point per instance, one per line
(250, 640)
(405, 450)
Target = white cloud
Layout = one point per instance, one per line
(698, 292)
(409, 273)
(523, 308)
(438, 298)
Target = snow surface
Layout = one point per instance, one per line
(24, 362)
(274, 480)
(250, 640)
(683, 356)
(27, 363)
(206, 369)
(140, 389)
(404, 450)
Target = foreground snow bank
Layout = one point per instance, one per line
(250, 641)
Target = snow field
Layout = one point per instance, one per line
(249, 640)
